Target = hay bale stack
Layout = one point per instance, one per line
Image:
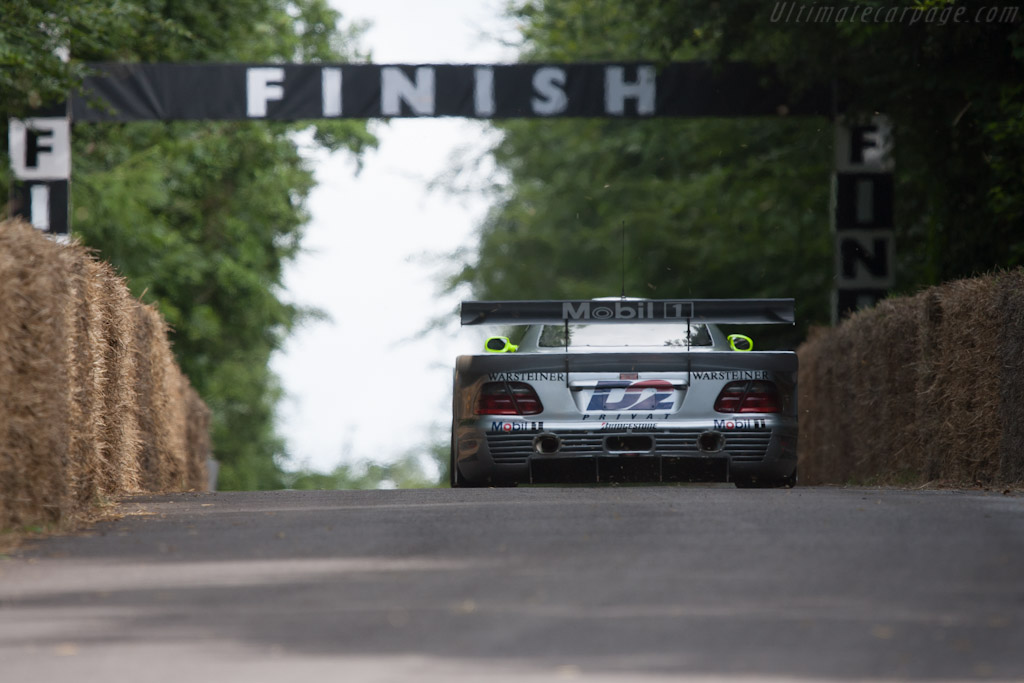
(812, 399)
(92, 403)
(174, 418)
(87, 374)
(892, 344)
(199, 448)
(878, 378)
(919, 389)
(965, 393)
(119, 434)
(156, 452)
(821, 433)
(34, 378)
(927, 381)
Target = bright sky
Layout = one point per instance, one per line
(368, 385)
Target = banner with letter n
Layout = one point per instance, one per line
(290, 92)
(862, 215)
(862, 188)
(122, 92)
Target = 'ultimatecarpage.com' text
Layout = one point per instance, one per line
(801, 13)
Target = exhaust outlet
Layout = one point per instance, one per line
(711, 442)
(547, 444)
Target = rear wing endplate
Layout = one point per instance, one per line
(740, 311)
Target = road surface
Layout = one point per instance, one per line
(529, 584)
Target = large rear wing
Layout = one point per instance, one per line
(740, 311)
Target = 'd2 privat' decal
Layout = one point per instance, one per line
(646, 394)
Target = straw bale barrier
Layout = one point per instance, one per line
(92, 404)
(928, 388)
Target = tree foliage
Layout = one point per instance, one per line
(201, 217)
(740, 207)
(407, 472)
(33, 33)
(948, 77)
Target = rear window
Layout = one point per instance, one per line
(626, 334)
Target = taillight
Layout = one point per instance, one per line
(508, 398)
(751, 396)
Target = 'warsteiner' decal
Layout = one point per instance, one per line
(731, 374)
(628, 310)
(526, 376)
(507, 427)
(647, 394)
(727, 425)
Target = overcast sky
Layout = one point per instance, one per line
(368, 385)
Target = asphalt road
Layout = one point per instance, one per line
(608, 584)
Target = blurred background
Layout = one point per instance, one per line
(311, 271)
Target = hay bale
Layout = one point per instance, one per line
(965, 394)
(1011, 369)
(92, 402)
(842, 444)
(175, 420)
(927, 385)
(160, 409)
(926, 388)
(811, 380)
(148, 403)
(119, 433)
(199, 446)
(84, 417)
(34, 378)
(827, 448)
(883, 347)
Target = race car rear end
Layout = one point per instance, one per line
(625, 390)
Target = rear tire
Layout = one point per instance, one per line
(790, 481)
(456, 479)
(453, 469)
(460, 482)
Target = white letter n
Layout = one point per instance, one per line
(396, 87)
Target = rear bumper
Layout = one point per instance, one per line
(626, 469)
(664, 456)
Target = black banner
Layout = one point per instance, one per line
(862, 215)
(289, 92)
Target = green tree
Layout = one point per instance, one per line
(710, 208)
(740, 207)
(407, 472)
(950, 81)
(34, 32)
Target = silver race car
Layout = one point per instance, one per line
(625, 390)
